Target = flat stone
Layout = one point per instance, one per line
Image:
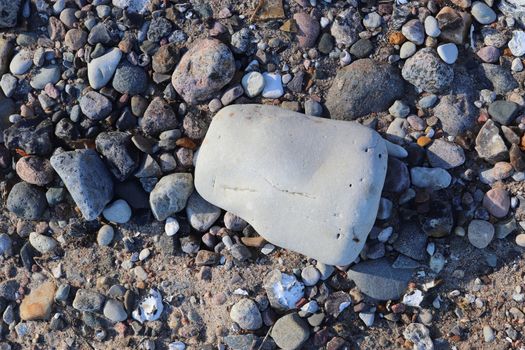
(170, 194)
(201, 214)
(253, 84)
(444, 154)
(86, 178)
(363, 87)
(490, 145)
(203, 71)
(434, 178)
(414, 31)
(260, 192)
(379, 280)
(411, 241)
(504, 112)
(504, 228)
(480, 233)
(498, 78)
(290, 332)
(37, 305)
(101, 69)
(283, 290)
(448, 52)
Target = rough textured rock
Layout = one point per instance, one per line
(490, 145)
(9, 12)
(379, 280)
(37, 305)
(457, 114)
(170, 194)
(158, 117)
(514, 8)
(363, 87)
(428, 72)
(86, 178)
(299, 194)
(203, 71)
(31, 136)
(120, 154)
(497, 78)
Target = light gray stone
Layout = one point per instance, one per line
(101, 69)
(201, 214)
(246, 314)
(289, 177)
(170, 194)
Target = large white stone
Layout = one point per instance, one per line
(101, 69)
(307, 184)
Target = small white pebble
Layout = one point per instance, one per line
(171, 226)
(324, 22)
(267, 249)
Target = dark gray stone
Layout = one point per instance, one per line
(490, 145)
(397, 176)
(503, 112)
(130, 79)
(438, 221)
(412, 241)
(158, 117)
(9, 10)
(87, 300)
(31, 136)
(497, 78)
(120, 154)
(363, 87)
(379, 280)
(27, 201)
(86, 178)
(290, 332)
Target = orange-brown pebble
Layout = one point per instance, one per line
(396, 38)
(423, 141)
(186, 142)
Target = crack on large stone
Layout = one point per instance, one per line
(302, 194)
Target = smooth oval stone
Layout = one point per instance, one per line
(43, 76)
(101, 69)
(307, 184)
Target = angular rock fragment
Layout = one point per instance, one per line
(490, 145)
(285, 174)
(379, 280)
(120, 154)
(86, 178)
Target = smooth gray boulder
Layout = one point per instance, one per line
(86, 178)
(307, 184)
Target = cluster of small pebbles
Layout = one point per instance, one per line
(104, 239)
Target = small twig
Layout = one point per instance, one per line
(265, 337)
(257, 8)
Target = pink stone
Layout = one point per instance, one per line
(489, 54)
(307, 29)
(497, 202)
